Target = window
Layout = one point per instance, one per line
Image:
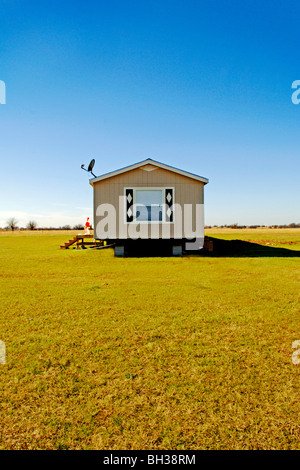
(148, 205)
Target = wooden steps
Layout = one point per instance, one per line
(69, 243)
(80, 241)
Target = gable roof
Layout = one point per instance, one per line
(146, 162)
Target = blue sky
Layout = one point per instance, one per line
(201, 85)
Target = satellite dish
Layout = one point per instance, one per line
(91, 165)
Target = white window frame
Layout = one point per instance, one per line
(149, 188)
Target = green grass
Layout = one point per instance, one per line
(148, 353)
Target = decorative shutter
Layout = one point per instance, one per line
(129, 205)
(169, 201)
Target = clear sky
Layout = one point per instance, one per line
(201, 85)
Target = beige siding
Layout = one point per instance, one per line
(186, 190)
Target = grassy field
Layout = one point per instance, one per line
(150, 353)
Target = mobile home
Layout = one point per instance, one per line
(149, 202)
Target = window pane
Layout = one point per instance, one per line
(148, 205)
(148, 213)
(148, 197)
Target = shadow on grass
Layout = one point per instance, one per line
(240, 248)
(221, 248)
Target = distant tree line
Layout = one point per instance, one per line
(12, 224)
(237, 226)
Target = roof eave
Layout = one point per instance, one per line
(203, 180)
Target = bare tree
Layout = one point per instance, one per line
(12, 223)
(32, 225)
